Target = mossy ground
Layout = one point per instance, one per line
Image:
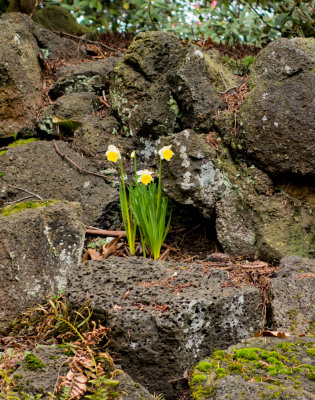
(15, 208)
(285, 364)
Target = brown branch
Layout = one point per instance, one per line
(103, 232)
(4, 148)
(26, 191)
(87, 41)
(76, 165)
(151, 18)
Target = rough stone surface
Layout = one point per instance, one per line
(84, 77)
(20, 74)
(37, 249)
(73, 106)
(37, 167)
(261, 368)
(43, 380)
(161, 86)
(57, 18)
(277, 125)
(164, 317)
(193, 176)
(293, 297)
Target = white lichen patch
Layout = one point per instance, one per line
(183, 155)
(198, 53)
(288, 69)
(264, 118)
(17, 39)
(264, 95)
(149, 148)
(186, 184)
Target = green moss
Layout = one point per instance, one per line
(15, 208)
(32, 362)
(204, 366)
(311, 352)
(198, 379)
(248, 354)
(20, 142)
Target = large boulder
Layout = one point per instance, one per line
(277, 127)
(260, 368)
(20, 74)
(163, 316)
(292, 296)
(250, 217)
(40, 243)
(90, 77)
(50, 362)
(161, 86)
(38, 168)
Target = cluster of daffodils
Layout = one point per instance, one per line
(143, 207)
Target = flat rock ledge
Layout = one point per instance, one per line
(163, 316)
(259, 368)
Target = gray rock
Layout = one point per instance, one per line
(192, 176)
(72, 106)
(277, 125)
(54, 363)
(163, 316)
(258, 368)
(20, 74)
(38, 247)
(292, 296)
(161, 86)
(37, 167)
(84, 77)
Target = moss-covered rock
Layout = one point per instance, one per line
(262, 368)
(56, 18)
(161, 86)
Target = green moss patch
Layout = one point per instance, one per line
(282, 363)
(19, 142)
(32, 363)
(15, 208)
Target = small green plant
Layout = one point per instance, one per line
(144, 207)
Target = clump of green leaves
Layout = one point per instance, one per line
(239, 67)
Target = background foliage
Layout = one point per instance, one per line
(245, 21)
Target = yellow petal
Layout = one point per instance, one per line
(112, 156)
(168, 154)
(145, 179)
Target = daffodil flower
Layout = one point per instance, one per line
(132, 155)
(144, 176)
(166, 153)
(113, 154)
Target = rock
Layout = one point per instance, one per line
(277, 127)
(51, 363)
(260, 368)
(89, 77)
(37, 167)
(292, 296)
(56, 49)
(72, 106)
(20, 74)
(38, 247)
(163, 316)
(93, 137)
(161, 86)
(192, 176)
(56, 18)
(253, 216)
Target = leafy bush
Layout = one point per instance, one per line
(253, 22)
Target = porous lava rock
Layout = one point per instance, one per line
(38, 248)
(165, 316)
(37, 167)
(20, 74)
(40, 378)
(292, 296)
(257, 368)
(162, 86)
(84, 77)
(277, 127)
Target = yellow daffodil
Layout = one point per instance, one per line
(166, 153)
(132, 155)
(113, 154)
(144, 176)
